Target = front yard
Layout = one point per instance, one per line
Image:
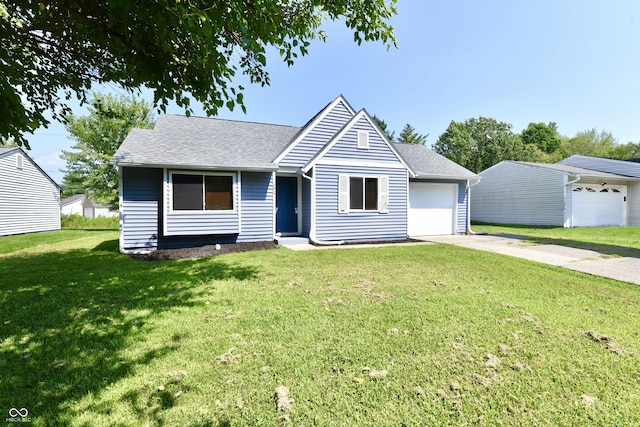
(408, 335)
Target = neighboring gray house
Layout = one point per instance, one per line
(193, 181)
(29, 198)
(574, 192)
(79, 204)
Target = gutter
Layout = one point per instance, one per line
(574, 181)
(312, 228)
(469, 231)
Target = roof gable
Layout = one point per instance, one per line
(344, 145)
(316, 133)
(8, 151)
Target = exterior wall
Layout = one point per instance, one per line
(140, 208)
(514, 193)
(461, 220)
(317, 137)
(633, 203)
(306, 206)
(29, 200)
(359, 226)
(257, 195)
(74, 208)
(201, 222)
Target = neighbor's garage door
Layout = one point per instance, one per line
(598, 205)
(432, 208)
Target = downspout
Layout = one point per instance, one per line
(565, 198)
(469, 231)
(312, 227)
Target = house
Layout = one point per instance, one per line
(577, 191)
(79, 204)
(29, 198)
(193, 181)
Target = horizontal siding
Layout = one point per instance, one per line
(633, 203)
(29, 201)
(257, 207)
(461, 220)
(513, 193)
(139, 210)
(321, 133)
(359, 226)
(346, 148)
(306, 206)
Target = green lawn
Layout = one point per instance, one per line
(409, 335)
(607, 240)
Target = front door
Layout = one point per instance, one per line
(287, 204)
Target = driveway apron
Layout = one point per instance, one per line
(626, 269)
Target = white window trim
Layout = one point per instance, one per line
(234, 196)
(344, 194)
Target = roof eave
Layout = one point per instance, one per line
(248, 168)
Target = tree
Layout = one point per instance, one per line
(478, 144)
(51, 51)
(591, 143)
(543, 136)
(97, 137)
(410, 136)
(384, 128)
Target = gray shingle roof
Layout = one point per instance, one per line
(205, 143)
(426, 163)
(618, 167)
(4, 150)
(572, 170)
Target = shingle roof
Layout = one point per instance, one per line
(200, 142)
(618, 167)
(71, 199)
(572, 170)
(426, 163)
(4, 150)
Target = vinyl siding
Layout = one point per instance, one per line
(317, 137)
(257, 207)
(346, 147)
(513, 193)
(461, 220)
(306, 206)
(29, 200)
(200, 222)
(633, 203)
(141, 192)
(359, 226)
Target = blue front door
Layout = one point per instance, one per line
(287, 204)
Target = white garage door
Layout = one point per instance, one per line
(432, 208)
(598, 205)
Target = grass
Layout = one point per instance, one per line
(616, 241)
(91, 337)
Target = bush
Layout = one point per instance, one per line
(77, 222)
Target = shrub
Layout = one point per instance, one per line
(77, 222)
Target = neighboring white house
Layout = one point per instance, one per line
(80, 204)
(29, 198)
(561, 194)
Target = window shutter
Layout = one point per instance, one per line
(343, 193)
(383, 194)
(363, 139)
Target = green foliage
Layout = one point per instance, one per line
(544, 136)
(97, 138)
(52, 51)
(478, 144)
(77, 222)
(92, 337)
(384, 128)
(410, 136)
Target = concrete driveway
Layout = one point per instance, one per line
(623, 268)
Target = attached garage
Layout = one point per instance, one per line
(598, 205)
(432, 208)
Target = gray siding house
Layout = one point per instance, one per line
(29, 198)
(337, 179)
(566, 194)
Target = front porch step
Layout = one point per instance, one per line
(287, 241)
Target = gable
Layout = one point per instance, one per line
(360, 141)
(316, 133)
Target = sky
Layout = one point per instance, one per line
(576, 63)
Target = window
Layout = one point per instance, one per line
(192, 192)
(357, 193)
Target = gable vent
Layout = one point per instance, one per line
(19, 160)
(363, 139)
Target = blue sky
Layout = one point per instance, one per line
(576, 63)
